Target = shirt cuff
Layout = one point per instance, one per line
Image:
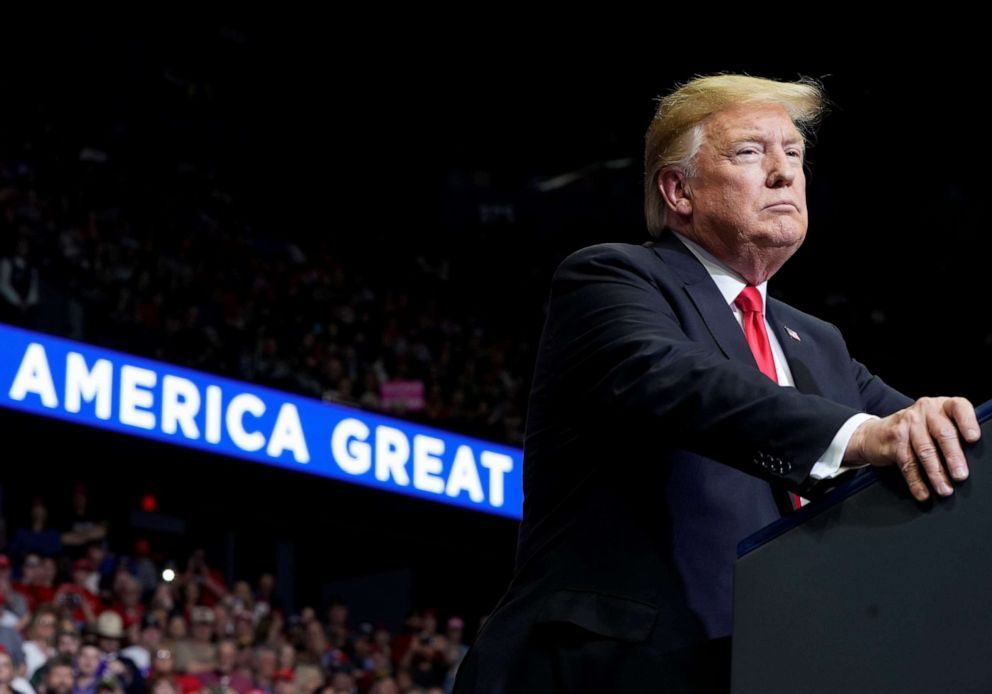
(829, 464)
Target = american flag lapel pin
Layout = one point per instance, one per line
(793, 334)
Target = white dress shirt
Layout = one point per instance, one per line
(730, 285)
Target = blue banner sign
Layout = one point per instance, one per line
(52, 377)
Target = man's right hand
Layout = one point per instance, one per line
(922, 439)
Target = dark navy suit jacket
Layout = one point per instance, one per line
(653, 445)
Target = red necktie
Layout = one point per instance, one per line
(749, 303)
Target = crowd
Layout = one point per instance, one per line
(78, 618)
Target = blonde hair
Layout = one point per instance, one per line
(676, 131)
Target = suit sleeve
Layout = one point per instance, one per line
(879, 398)
(624, 361)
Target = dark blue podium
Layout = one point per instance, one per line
(867, 590)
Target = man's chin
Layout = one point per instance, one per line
(783, 239)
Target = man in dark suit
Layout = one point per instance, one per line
(674, 406)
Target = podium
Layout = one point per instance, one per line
(869, 591)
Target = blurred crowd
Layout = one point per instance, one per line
(76, 618)
(201, 290)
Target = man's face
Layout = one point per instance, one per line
(748, 192)
(108, 645)
(59, 680)
(44, 628)
(67, 644)
(31, 569)
(151, 637)
(266, 663)
(227, 655)
(88, 660)
(177, 627)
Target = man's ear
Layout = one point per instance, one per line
(673, 188)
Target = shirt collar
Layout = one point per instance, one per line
(727, 281)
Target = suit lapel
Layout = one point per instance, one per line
(722, 325)
(798, 348)
(709, 302)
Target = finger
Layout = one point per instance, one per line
(906, 462)
(946, 434)
(963, 414)
(926, 453)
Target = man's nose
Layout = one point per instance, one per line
(781, 170)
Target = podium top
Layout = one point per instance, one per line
(862, 481)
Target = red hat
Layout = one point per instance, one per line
(4, 561)
(82, 565)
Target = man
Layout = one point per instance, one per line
(88, 665)
(57, 677)
(198, 653)
(659, 434)
(110, 634)
(226, 675)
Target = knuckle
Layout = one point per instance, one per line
(947, 434)
(908, 469)
(899, 435)
(904, 456)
